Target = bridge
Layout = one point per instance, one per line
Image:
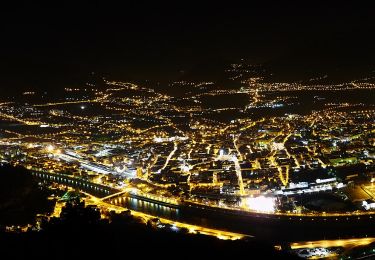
(75, 182)
(115, 195)
(106, 193)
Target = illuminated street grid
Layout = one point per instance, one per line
(173, 149)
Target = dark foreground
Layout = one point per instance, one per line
(80, 232)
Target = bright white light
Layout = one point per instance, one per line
(174, 227)
(50, 148)
(158, 139)
(185, 168)
(83, 107)
(278, 146)
(221, 152)
(261, 203)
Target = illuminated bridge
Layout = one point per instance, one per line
(106, 193)
(121, 196)
(74, 182)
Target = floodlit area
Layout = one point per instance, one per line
(261, 204)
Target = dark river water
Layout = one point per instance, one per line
(271, 229)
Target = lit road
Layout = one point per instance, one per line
(208, 148)
(252, 124)
(170, 156)
(13, 118)
(92, 200)
(239, 175)
(284, 176)
(57, 210)
(237, 167)
(235, 144)
(66, 103)
(283, 179)
(334, 243)
(99, 99)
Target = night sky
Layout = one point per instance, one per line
(45, 47)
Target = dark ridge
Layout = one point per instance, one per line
(21, 198)
(80, 232)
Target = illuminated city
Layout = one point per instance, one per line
(239, 156)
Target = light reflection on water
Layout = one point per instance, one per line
(150, 208)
